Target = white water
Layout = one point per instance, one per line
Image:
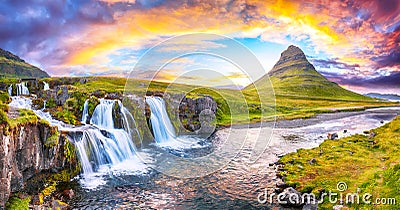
(163, 130)
(103, 114)
(104, 149)
(161, 124)
(46, 86)
(10, 89)
(85, 113)
(101, 149)
(22, 89)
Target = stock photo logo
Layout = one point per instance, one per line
(339, 196)
(201, 60)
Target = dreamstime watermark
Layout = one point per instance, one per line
(297, 198)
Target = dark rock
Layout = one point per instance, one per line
(292, 198)
(24, 156)
(313, 161)
(382, 121)
(114, 96)
(333, 136)
(372, 134)
(345, 131)
(281, 185)
(69, 193)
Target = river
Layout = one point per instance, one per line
(235, 186)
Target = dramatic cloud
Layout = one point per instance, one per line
(352, 38)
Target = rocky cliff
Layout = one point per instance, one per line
(30, 153)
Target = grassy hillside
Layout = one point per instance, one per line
(13, 66)
(367, 162)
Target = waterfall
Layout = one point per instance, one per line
(85, 113)
(99, 147)
(103, 114)
(104, 144)
(46, 86)
(22, 89)
(162, 127)
(10, 89)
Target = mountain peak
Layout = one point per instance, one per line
(292, 57)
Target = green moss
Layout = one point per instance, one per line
(69, 151)
(67, 116)
(16, 203)
(4, 97)
(53, 139)
(25, 116)
(3, 117)
(51, 103)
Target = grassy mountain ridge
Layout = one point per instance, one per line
(13, 66)
(294, 75)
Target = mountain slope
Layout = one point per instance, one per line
(294, 75)
(13, 66)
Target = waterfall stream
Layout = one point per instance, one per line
(161, 124)
(10, 89)
(22, 89)
(46, 86)
(101, 147)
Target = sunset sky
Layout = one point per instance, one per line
(355, 43)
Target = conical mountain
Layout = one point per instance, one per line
(294, 75)
(13, 66)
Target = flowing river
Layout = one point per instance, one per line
(237, 185)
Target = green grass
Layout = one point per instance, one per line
(368, 163)
(234, 106)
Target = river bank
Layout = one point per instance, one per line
(365, 163)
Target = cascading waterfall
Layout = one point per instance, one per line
(10, 89)
(103, 114)
(99, 144)
(85, 113)
(162, 127)
(105, 144)
(46, 86)
(22, 89)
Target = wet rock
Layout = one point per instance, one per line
(340, 207)
(69, 193)
(313, 161)
(333, 136)
(36, 200)
(99, 93)
(281, 185)
(291, 198)
(366, 132)
(382, 121)
(57, 204)
(114, 96)
(345, 131)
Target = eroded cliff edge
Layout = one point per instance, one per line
(31, 155)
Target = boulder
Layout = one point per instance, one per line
(333, 136)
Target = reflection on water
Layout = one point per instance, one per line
(236, 186)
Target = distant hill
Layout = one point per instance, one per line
(294, 75)
(13, 66)
(389, 97)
